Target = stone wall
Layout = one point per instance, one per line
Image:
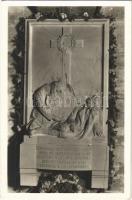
(118, 13)
(13, 19)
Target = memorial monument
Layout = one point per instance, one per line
(66, 99)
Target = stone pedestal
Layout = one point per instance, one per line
(48, 152)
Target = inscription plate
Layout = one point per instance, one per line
(63, 154)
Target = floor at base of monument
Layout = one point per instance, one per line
(64, 182)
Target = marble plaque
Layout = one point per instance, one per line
(64, 154)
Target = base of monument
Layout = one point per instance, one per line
(29, 177)
(48, 153)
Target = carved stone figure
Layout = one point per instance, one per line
(53, 115)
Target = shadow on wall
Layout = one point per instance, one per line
(17, 102)
(13, 161)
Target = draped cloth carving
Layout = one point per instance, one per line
(51, 115)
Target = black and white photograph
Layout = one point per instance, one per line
(66, 99)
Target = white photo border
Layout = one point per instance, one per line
(4, 102)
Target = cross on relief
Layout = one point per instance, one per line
(65, 44)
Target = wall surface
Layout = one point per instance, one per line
(118, 13)
(13, 19)
(14, 15)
